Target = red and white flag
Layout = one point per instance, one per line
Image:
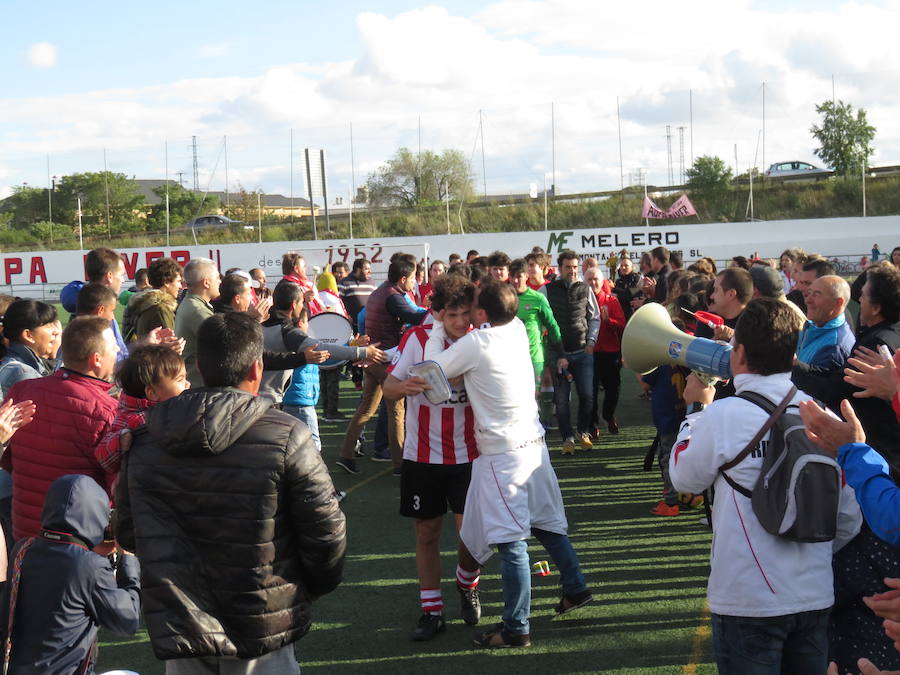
(680, 209)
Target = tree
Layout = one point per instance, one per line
(411, 179)
(184, 205)
(126, 203)
(709, 177)
(844, 138)
(26, 206)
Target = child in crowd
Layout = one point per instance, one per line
(149, 375)
(60, 591)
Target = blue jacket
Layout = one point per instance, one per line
(878, 495)
(827, 346)
(66, 591)
(304, 387)
(20, 363)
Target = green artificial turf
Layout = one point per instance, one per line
(648, 575)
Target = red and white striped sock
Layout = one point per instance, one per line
(431, 601)
(467, 580)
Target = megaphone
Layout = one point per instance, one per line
(651, 340)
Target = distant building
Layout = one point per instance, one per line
(276, 205)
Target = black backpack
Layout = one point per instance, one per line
(798, 490)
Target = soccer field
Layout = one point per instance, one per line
(648, 576)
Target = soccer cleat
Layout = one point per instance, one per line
(498, 636)
(469, 605)
(347, 464)
(584, 440)
(663, 509)
(428, 626)
(568, 447)
(613, 426)
(569, 603)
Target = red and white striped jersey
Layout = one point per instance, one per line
(435, 434)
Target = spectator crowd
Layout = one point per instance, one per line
(170, 469)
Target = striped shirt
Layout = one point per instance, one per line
(435, 434)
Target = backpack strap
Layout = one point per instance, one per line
(774, 413)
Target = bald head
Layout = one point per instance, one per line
(827, 299)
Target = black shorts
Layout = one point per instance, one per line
(427, 489)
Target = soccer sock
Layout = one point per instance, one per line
(431, 601)
(466, 579)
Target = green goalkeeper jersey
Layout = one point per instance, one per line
(535, 313)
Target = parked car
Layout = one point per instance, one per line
(212, 221)
(794, 168)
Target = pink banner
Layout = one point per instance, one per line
(680, 209)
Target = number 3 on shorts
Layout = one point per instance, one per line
(416, 504)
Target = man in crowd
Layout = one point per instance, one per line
(387, 310)
(657, 287)
(339, 270)
(827, 339)
(293, 266)
(202, 280)
(156, 308)
(576, 312)
(732, 290)
(536, 266)
(259, 276)
(879, 318)
(535, 313)
(435, 271)
(265, 559)
(770, 597)
(811, 268)
(438, 450)
(769, 283)
(75, 404)
(514, 492)
(628, 285)
(356, 287)
(498, 266)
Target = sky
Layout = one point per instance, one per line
(529, 90)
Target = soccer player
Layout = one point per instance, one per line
(438, 451)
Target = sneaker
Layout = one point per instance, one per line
(663, 509)
(358, 450)
(584, 440)
(334, 417)
(568, 447)
(347, 464)
(498, 636)
(613, 426)
(428, 626)
(397, 472)
(595, 433)
(469, 605)
(340, 495)
(568, 603)
(379, 457)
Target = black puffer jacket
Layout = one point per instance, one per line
(232, 514)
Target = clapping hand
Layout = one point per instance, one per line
(14, 416)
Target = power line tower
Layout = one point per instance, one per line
(669, 150)
(681, 155)
(180, 175)
(196, 172)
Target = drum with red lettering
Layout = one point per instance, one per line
(329, 328)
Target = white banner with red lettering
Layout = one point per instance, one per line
(680, 209)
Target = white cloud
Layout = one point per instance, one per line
(42, 55)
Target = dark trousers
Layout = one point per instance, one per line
(607, 371)
(771, 645)
(581, 367)
(331, 391)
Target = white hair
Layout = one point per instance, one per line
(197, 270)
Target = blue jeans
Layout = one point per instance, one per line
(515, 573)
(581, 366)
(307, 415)
(794, 643)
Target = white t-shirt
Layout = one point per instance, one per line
(435, 434)
(496, 364)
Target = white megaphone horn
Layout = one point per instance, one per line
(652, 340)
